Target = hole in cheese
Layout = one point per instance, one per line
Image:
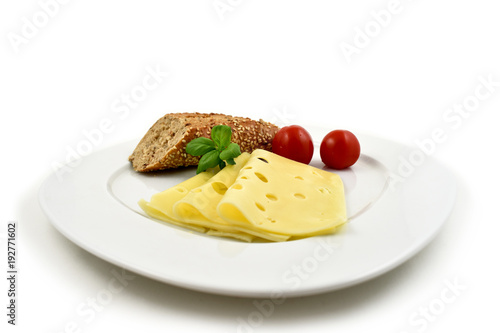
(299, 196)
(299, 178)
(261, 177)
(219, 187)
(197, 190)
(259, 206)
(238, 187)
(244, 177)
(271, 197)
(271, 220)
(248, 167)
(263, 160)
(180, 189)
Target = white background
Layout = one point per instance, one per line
(277, 60)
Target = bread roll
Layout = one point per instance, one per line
(164, 145)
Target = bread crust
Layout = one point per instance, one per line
(164, 145)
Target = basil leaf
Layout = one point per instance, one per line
(200, 146)
(232, 151)
(221, 134)
(209, 160)
(214, 152)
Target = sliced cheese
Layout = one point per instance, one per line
(236, 235)
(156, 214)
(199, 206)
(281, 196)
(164, 201)
(201, 202)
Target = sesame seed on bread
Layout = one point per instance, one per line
(164, 145)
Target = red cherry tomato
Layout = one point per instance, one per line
(339, 149)
(295, 143)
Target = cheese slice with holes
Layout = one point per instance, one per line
(277, 195)
(161, 206)
(200, 203)
(199, 206)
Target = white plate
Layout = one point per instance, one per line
(95, 206)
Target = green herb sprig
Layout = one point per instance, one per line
(216, 152)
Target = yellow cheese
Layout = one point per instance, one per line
(199, 206)
(263, 195)
(161, 205)
(201, 202)
(237, 235)
(156, 214)
(281, 196)
(164, 201)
